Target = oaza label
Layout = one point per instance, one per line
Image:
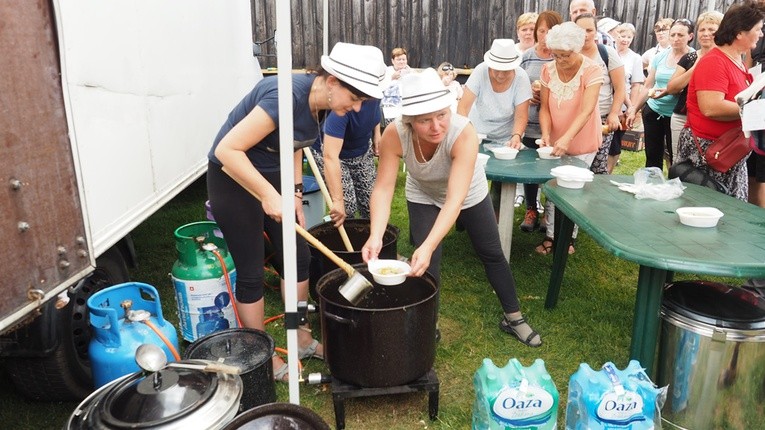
(621, 409)
(515, 407)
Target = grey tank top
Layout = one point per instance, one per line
(426, 183)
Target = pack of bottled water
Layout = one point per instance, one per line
(514, 397)
(613, 399)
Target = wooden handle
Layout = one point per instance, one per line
(325, 193)
(306, 235)
(326, 251)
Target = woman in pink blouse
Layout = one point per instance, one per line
(568, 113)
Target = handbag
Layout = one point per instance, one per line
(725, 151)
(687, 172)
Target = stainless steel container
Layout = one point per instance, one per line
(712, 356)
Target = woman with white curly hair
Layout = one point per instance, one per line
(570, 87)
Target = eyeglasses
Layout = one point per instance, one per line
(447, 68)
(660, 29)
(683, 21)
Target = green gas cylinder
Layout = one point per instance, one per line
(201, 292)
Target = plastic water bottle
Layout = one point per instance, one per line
(514, 397)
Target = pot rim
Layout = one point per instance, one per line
(363, 268)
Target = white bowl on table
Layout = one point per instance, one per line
(389, 272)
(545, 152)
(572, 176)
(699, 216)
(505, 153)
(481, 137)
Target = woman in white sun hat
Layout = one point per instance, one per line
(497, 94)
(247, 145)
(443, 184)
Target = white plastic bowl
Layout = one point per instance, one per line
(545, 152)
(505, 153)
(570, 183)
(699, 216)
(398, 271)
(481, 137)
(483, 159)
(572, 176)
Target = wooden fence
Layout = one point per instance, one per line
(459, 31)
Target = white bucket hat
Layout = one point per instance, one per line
(607, 24)
(503, 55)
(423, 93)
(359, 66)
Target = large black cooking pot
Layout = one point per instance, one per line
(388, 339)
(277, 416)
(248, 349)
(358, 233)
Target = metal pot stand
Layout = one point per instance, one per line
(342, 391)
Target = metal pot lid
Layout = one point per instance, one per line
(715, 304)
(245, 348)
(171, 395)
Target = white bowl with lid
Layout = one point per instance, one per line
(699, 216)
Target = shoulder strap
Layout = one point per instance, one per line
(603, 53)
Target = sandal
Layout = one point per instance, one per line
(546, 247)
(310, 351)
(282, 373)
(509, 327)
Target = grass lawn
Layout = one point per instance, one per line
(592, 322)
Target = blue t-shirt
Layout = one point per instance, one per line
(354, 128)
(265, 154)
(663, 105)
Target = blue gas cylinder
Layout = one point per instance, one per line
(121, 317)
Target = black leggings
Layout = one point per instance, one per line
(242, 221)
(658, 137)
(481, 226)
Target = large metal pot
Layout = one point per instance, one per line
(358, 233)
(388, 339)
(171, 398)
(248, 349)
(277, 416)
(712, 356)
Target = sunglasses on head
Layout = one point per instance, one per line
(683, 21)
(447, 68)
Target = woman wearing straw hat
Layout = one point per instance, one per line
(443, 184)
(247, 146)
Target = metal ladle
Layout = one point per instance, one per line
(151, 358)
(356, 287)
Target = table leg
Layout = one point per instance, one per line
(564, 227)
(645, 327)
(506, 217)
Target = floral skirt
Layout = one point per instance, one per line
(735, 179)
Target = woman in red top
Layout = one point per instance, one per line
(718, 77)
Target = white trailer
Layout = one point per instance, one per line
(107, 111)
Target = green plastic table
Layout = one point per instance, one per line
(525, 168)
(648, 232)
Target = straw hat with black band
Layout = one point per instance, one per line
(503, 55)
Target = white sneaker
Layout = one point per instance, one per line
(519, 199)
